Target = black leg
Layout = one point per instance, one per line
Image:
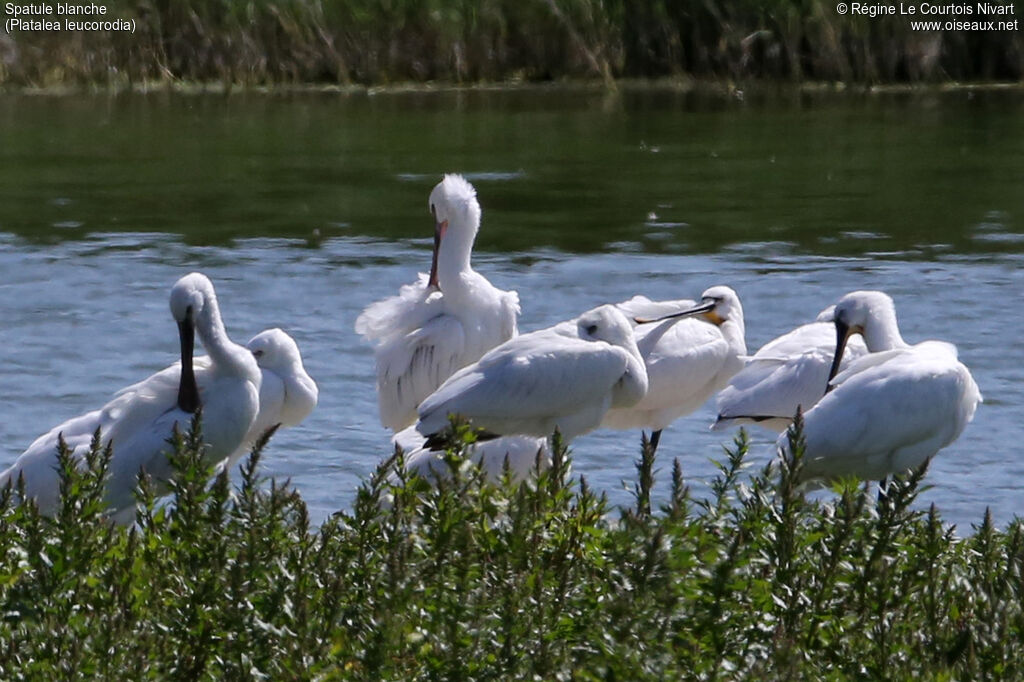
(655, 438)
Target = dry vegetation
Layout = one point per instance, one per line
(462, 41)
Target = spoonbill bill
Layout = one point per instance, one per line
(442, 322)
(566, 377)
(890, 410)
(141, 418)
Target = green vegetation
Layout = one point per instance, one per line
(386, 41)
(475, 581)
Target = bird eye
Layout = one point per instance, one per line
(257, 354)
(592, 329)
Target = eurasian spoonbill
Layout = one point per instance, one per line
(566, 377)
(788, 372)
(442, 322)
(892, 409)
(141, 417)
(287, 393)
(690, 351)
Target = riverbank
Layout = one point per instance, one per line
(365, 43)
(705, 89)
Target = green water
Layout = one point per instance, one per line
(663, 171)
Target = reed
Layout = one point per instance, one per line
(374, 42)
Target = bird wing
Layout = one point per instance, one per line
(889, 416)
(519, 452)
(77, 433)
(534, 377)
(681, 361)
(273, 395)
(409, 439)
(787, 372)
(138, 422)
(301, 395)
(818, 336)
(510, 310)
(775, 387)
(129, 408)
(867, 361)
(398, 315)
(412, 366)
(813, 336)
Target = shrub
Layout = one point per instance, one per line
(472, 580)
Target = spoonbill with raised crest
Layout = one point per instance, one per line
(444, 321)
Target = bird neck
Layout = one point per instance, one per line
(453, 256)
(300, 397)
(633, 384)
(882, 332)
(221, 349)
(734, 333)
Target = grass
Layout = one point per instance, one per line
(478, 581)
(372, 42)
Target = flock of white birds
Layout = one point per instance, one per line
(448, 344)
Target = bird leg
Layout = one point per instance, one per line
(655, 438)
(882, 496)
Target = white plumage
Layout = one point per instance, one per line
(287, 393)
(442, 322)
(564, 377)
(890, 410)
(520, 452)
(141, 417)
(690, 351)
(788, 372)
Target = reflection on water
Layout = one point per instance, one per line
(304, 209)
(662, 171)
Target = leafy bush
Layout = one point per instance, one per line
(471, 580)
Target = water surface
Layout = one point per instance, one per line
(304, 208)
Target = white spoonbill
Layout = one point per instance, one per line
(141, 417)
(444, 321)
(690, 351)
(788, 372)
(564, 377)
(892, 409)
(520, 452)
(287, 393)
